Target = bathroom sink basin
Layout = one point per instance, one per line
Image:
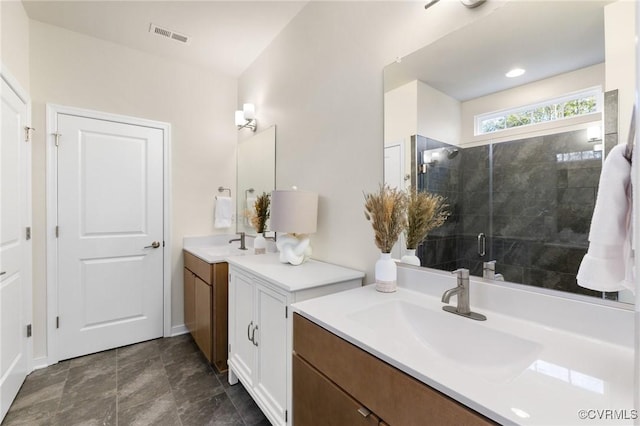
(218, 250)
(494, 354)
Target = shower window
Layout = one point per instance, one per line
(585, 102)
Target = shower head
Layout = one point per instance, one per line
(451, 152)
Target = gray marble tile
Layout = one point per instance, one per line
(138, 352)
(173, 349)
(100, 359)
(89, 380)
(36, 413)
(215, 410)
(141, 381)
(35, 394)
(192, 379)
(98, 410)
(246, 406)
(157, 412)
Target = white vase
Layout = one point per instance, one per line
(386, 274)
(260, 244)
(410, 258)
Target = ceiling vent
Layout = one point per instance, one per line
(167, 33)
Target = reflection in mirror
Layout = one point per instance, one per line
(522, 188)
(256, 174)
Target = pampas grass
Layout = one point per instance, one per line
(425, 212)
(261, 208)
(385, 210)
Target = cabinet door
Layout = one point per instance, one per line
(219, 317)
(189, 301)
(271, 339)
(241, 327)
(318, 401)
(203, 317)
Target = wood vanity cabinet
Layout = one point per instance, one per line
(205, 307)
(337, 383)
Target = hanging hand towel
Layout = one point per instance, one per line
(608, 264)
(223, 212)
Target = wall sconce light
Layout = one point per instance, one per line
(246, 119)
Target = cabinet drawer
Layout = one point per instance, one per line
(198, 267)
(318, 401)
(394, 396)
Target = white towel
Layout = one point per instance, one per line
(608, 264)
(223, 212)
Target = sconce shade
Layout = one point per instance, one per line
(240, 121)
(294, 212)
(249, 111)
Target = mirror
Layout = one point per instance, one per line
(522, 195)
(256, 173)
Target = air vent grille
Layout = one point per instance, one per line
(164, 32)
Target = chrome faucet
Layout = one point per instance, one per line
(489, 271)
(241, 239)
(461, 291)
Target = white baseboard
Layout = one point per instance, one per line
(177, 330)
(39, 363)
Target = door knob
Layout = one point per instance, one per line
(154, 244)
(3, 272)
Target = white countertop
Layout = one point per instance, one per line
(216, 248)
(563, 372)
(310, 274)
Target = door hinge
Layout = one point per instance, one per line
(57, 322)
(29, 330)
(57, 136)
(229, 347)
(286, 416)
(57, 231)
(27, 133)
(28, 233)
(163, 244)
(286, 312)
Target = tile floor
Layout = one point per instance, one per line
(159, 382)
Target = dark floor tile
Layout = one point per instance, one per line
(192, 378)
(138, 352)
(36, 413)
(223, 378)
(95, 410)
(158, 412)
(246, 406)
(106, 358)
(214, 411)
(87, 381)
(141, 381)
(173, 349)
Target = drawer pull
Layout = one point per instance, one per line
(253, 336)
(363, 410)
(249, 331)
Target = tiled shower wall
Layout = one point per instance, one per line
(532, 198)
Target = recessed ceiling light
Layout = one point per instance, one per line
(516, 72)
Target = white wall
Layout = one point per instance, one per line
(400, 113)
(439, 115)
(14, 41)
(71, 69)
(321, 82)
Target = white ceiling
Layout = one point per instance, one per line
(544, 37)
(226, 36)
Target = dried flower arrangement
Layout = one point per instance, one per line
(425, 212)
(385, 210)
(261, 208)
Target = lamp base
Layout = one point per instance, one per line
(293, 249)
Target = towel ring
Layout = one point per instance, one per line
(222, 189)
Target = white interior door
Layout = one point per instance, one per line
(15, 249)
(110, 239)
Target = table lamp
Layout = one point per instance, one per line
(294, 213)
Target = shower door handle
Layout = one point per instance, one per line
(482, 244)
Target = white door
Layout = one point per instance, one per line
(271, 338)
(393, 169)
(242, 327)
(110, 235)
(15, 249)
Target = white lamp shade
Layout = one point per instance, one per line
(294, 212)
(249, 111)
(240, 121)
